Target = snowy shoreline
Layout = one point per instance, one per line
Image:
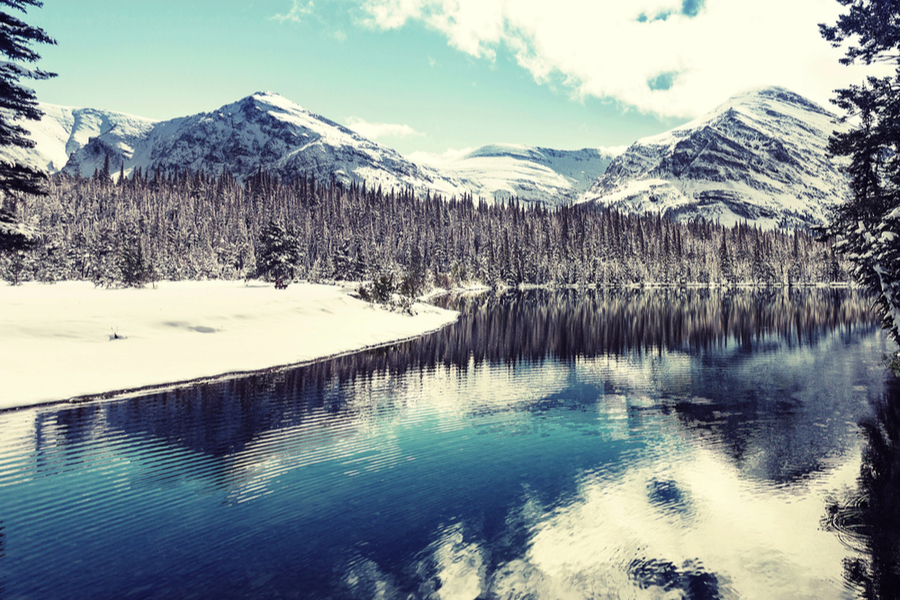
(70, 340)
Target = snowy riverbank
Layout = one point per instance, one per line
(71, 339)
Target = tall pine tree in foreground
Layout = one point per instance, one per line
(867, 226)
(17, 102)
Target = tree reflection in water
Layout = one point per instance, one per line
(542, 324)
(867, 520)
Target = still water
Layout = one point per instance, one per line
(598, 444)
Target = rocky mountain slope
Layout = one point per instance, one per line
(761, 157)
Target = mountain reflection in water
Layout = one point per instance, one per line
(550, 444)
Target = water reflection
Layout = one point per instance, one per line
(583, 444)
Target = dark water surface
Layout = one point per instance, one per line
(549, 445)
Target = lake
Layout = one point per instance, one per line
(551, 444)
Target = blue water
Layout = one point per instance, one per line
(549, 445)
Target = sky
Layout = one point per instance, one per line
(439, 76)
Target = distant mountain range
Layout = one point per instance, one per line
(759, 157)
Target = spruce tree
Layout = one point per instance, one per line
(343, 261)
(725, 262)
(17, 102)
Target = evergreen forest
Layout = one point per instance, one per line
(155, 226)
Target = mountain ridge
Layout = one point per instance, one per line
(263, 131)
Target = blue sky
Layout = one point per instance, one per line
(434, 75)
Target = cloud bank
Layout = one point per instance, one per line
(664, 57)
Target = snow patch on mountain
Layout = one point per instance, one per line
(529, 173)
(760, 157)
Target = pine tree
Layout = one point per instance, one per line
(361, 265)
(867, 227)
(278, 254)
(725, 262)
(14, 236)
(343, 261)
(18, 102)
(132, 264)
(414, 278)
(14, 265)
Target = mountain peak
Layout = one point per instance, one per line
(262, 131)
(769, 103)
(264, 101)
(778, 95)
(276, 100)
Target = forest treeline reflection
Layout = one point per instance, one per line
(542, 324)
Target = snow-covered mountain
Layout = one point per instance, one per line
(761, 157)
(501, 171)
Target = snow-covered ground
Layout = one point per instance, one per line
(71, 339)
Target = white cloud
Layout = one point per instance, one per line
(297, 12)
(373, 131)
(606, 49)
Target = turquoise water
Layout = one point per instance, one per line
(549, 445)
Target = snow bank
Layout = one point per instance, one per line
(71, 339)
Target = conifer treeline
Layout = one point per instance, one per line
(193, 226)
